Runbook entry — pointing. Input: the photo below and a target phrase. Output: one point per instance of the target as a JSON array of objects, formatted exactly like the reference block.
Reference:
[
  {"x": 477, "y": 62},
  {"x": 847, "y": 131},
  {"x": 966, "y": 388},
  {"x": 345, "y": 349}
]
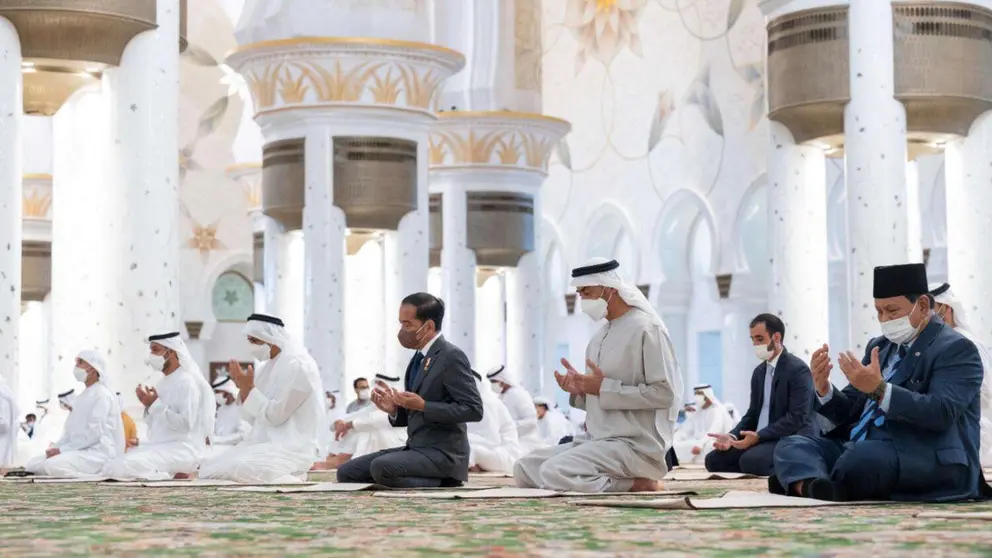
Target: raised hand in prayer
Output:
[
  {"x": 409, "y": 400},
  {"x": 383, "y": 397},
  {"x": 244, "y": 379},
  {"x": 821, "y": 366},
  {"x": 748, "y": 439},
  {"x": 147, "y": 395},
  {"x": 865, "y": 379},
  {"x": 592, "y": 381},
  {"x": 341, "y": 428},
  {"x": 52, "y": 452},
  {"x": 568, "y": 381},
  {"x": 723, "y": 442}
]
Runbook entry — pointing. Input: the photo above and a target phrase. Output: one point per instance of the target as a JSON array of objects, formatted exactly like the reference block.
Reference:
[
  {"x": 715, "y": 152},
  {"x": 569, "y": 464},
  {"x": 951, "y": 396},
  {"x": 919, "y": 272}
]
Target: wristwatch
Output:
[{"x": 879, "y": 392}]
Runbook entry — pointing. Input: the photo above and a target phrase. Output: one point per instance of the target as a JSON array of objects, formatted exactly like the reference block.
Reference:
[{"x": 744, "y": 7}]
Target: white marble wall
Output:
[
  {"x": 324, "y": 228},
  {"x": 144, "y": 103},
  {"x": 491, "y": 326},
  {"x": 386, "y": 19},
  {"x": 457, "y": 264},
  {"x": 525, "y": 286},
  {"x": 11, "y": 165},
  {"x": 797, "y": 234},
  {"x": 738, "y": 356},
  {"x": 968, "y": 175},
  {"x": 875, "y": 149},
  {"x": 914, "y": 226}
]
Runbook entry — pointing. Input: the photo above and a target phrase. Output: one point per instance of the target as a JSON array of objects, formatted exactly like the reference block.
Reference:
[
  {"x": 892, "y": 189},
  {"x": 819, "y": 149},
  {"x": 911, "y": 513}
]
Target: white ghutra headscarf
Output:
[
  {"x": 206, "y": 406},
  {"x": 99, "y": 364},
  {"x": 608, "y": 277}
]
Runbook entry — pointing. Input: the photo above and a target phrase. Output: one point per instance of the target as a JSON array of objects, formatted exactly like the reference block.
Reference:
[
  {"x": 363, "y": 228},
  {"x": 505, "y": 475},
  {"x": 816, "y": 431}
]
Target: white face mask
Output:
[
  {"x": 496, "y": 387},
  {"x": 899, "y": 330},
  {"x": 364, "y": 394},
  {"x": 260, "y": 353},
  {"x": 700, "y": 400},
  {"x": 156, "y": 362},
  {"x": 763, "y": 352},
  {"x": 595, "y": 308},
  {"x": 79, "y": 374}
]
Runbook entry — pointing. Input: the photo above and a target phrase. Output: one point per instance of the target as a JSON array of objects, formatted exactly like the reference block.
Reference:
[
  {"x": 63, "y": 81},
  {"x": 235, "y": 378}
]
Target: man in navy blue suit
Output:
[
  {"x": 907, "y": 426},
  {"x": 781, "y": 405}
]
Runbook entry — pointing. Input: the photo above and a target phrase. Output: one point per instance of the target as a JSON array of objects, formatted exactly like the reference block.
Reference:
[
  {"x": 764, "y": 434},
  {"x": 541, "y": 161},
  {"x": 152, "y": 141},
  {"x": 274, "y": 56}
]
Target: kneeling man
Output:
[
  {"x": 907, "y": 425},
  {"x": 631, "y": 395},
  {"x": 285, "y": 406},
  {"x": 93, "y": 433},
  {"x": 440, "y": 398}
]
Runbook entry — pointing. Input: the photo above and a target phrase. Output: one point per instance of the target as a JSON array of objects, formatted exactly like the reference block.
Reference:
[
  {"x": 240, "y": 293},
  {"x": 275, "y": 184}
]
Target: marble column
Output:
[
  {"x": 875, "y": 153},
  {"x": 457, "y": 264},
  {"x": 144, "y": 104},
  {"x": 735, "y": 338},
  {"x": 525, "y": 306},
  {"x": 324, "y": 228},
  {"x": 11, "y": 164},
  {"x": 914, "y": 226},
  {"x": 673, "y": 305},
  {"x": 797, "y": 234},
  {"x": 968, "y": 180}
]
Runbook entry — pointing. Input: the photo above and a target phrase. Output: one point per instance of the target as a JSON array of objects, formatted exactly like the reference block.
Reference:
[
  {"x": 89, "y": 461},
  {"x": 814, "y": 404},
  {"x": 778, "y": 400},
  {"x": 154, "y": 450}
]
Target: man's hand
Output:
[
  {"x": 591, "y": 382},
  {"x": 52, "y": 452},
  {"x": 567, "y": 382},
  {"x": 245, "y": 380},
  {"x": 130, "y": 443},
  {"x": 723, "y": 442},
  {"x": 821, "y": 366},
  {"x": 147, "y": 395},
  {"x": 748, "y": 439},
  {"x": 383, "y": 397},
  {"x": 409, "y": 400},
  {"x": 864, "y": 378},
  {"x": 696, "y": 450},
  {"x": 341, "y": 428}
]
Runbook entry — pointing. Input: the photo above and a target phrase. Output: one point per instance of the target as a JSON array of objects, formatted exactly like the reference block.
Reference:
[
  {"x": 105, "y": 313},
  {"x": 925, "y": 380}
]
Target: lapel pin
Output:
[
  {"x": 427, "y": 363},
  {"x": 917, "y": 353}
]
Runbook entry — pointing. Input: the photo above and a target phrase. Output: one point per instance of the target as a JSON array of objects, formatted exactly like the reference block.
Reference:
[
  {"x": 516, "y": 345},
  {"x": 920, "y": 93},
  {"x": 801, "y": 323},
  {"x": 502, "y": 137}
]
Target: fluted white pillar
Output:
[
  {"x": 457, "y": 264},
  {"x": 525, "y": 305},
  {"x": 324, "y": 228},
  {"x": 914, "y": 225},
  {"x": 11, "y": 164},
  {"x": 968, "y": 180},
  {"x": 797, "y": 232},
  {"x": 875, "y": 152},
  {"x": 144, "y": 104}
]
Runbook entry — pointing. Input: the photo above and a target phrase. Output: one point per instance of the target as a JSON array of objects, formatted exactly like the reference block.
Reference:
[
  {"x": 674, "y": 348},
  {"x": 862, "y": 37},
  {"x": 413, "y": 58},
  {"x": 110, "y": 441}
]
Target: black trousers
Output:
[
  {"x": 756, "y": 460},
  {"x": 395, "y": 468}
]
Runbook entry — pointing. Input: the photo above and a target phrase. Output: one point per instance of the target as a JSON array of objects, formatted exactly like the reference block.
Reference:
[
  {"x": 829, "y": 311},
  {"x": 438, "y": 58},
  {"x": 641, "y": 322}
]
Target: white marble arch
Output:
[
  {"x": 750, "y": 232},
  {"x": 673, "y": 234},
  {"x": 610, "y": 234},
  {"x": 202, "y": 310},
  {"x": 552, "y": 240}
]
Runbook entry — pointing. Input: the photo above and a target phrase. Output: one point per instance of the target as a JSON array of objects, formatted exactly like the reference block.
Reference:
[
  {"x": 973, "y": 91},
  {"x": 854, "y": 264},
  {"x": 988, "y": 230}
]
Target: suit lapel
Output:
[
  {"x": 916, "y": 351},
  {"x": 779, "y": 368},
  {"x": 430, "y": 360}
]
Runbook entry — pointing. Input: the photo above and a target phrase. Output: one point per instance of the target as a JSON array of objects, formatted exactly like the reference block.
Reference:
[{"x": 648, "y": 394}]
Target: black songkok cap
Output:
[{"x": 900, "y": 280}]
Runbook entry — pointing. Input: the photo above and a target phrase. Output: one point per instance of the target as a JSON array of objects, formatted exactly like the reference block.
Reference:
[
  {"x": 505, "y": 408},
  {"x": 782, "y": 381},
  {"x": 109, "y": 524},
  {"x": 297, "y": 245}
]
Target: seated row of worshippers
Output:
[{"x": 907, "y": 427}]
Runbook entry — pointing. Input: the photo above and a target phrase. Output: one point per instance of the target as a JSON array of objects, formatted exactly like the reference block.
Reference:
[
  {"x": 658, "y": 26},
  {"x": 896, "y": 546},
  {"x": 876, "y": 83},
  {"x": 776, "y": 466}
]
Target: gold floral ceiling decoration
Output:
[{"x": 603, "y": 28}]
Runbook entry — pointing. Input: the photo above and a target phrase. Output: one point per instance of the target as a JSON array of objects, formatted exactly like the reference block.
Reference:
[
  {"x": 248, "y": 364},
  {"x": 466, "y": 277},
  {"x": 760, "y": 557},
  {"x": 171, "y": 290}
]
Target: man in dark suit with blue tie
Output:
[
  {"x": 440, "y": 398},
  {"x": 907, "y": 426},
  {"x": 781, "y": 405}
]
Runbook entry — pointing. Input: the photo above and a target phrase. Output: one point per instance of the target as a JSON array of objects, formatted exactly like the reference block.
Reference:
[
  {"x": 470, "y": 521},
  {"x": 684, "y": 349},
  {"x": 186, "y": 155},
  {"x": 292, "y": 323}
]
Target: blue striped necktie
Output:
[{"x": 872, "y": 413}]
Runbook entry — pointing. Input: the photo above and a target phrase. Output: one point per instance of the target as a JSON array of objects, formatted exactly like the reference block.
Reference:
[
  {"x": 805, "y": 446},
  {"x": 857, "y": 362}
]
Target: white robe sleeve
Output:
[
  {"x": 88, "y": 435},
  {"x": 5, "y": 425},
  {"x": 659, "y": 370},
  {"x": 232, "y": 439},
  {"x": 276, "y": 411},
  {"x": 371, "y": 421},
  {"x": 178, "y": 417}
]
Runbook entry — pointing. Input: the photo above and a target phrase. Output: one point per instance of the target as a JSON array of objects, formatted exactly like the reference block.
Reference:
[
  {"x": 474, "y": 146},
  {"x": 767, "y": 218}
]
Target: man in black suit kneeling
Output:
[
  {"x": 781, "y": 405},
  {"x": 440, "y": 398}
]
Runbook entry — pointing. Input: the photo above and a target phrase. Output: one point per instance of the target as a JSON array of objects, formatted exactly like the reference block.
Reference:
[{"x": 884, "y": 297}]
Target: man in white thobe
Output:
[
  {"x": 363, "y": 431},
  {"x": 692, "y": 440},
  {"x": 521, "y": 407},
  {"x": 8, "y": 425},
  {"x": 950, "y": 309},
  {"x": 66, "y": 398},
  {"x": 493, "y": 444},
  {"x": 179, "y": 411},
  {"x": 229, "y": 428},
  {"x": 552, "y": 426},
  {"x": 629, "y": 394},
  {"x": 93, "y": 434},
  {"x": 284, "y": 403}
]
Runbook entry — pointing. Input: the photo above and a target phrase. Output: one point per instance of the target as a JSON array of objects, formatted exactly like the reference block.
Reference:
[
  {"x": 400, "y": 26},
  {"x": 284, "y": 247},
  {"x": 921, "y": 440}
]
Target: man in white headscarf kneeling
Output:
[
  {"x": 493, "y": 444},
  {"x": 229, "y": 428},
  {"x": 692, "y": 437},
  {"x": 630, "y": 395},
  {"x": 179, "y": 412},
  {"x": 521, "y": 406},
  {"x": 284, "y": 403},
  {"x": 950, "y": 309},
  {"x": 552, "y": 425},
  {"x": 93, "y": 433}
]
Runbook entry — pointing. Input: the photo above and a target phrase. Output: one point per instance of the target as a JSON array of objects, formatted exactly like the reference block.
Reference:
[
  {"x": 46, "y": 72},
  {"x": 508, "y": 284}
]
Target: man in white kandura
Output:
[
  {"x": 93, "y": 434},
  {"x": 692, "y": 440},
  {"x": 492, "y": 441},
  {"x": 366, "y": 430},
  {"x": 284, "y": 404},
  {"x": 552, "y": 426},
  {"x": 8, "y": 425},
  {"x": 630, "y": 393},
  {"x": 179, "y": 412},
  {"x": 951, "y": 311},
  {"x": 229, "y": 428},
  {"x": 521, "y": 406}
]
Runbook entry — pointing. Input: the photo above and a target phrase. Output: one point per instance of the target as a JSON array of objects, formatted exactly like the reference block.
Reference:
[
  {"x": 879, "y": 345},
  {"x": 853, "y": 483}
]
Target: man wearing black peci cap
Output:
[{"x": 907, "y": 425}]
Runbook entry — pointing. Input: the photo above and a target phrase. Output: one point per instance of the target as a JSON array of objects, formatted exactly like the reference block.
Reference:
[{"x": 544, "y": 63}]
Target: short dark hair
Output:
[
  {"x": 429, "y": 308},
  {"x": 772, "y": 323},
  {"x": 355, "y": 383},
  {"x": 31, "y": 416},
  {"x": 914, "y": 298}
]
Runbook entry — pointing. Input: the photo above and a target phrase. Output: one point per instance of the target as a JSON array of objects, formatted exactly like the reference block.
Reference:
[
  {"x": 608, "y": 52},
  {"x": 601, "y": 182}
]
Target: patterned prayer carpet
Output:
[{"x": 80, "y": 519}]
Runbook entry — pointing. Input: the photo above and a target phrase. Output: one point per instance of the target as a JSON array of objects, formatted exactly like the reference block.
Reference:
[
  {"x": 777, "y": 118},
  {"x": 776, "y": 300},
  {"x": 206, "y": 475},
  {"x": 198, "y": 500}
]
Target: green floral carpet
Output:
[{"x": 80, "y": 519}]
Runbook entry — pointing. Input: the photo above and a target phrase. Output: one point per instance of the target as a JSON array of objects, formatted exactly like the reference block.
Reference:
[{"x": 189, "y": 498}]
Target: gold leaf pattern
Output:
[
  {"x": 36, "y": 202},
  {"x": 502, "y": 148},
  {"x": 292, "y": 90}
]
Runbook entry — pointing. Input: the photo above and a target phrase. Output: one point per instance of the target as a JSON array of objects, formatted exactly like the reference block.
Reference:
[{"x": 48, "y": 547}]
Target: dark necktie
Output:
[
  {"x": 415, "y": 365},
  {"x": 872, "y": 413}
]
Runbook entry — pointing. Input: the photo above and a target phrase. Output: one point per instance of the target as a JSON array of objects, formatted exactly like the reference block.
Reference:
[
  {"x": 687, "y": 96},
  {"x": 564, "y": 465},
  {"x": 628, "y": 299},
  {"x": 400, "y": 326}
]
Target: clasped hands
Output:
[
  {"x": 147, "y": 395},
  {"x": 580, "y": 384},
  {"x": 724, "y": 442},
  {"x": 864, "y": 378},
  {"x": 388, "y": 400}
]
